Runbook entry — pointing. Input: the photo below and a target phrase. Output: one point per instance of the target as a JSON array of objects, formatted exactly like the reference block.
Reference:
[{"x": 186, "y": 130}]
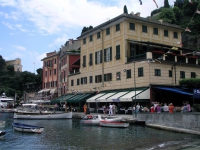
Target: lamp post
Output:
[{"x": 135, "y": 89}]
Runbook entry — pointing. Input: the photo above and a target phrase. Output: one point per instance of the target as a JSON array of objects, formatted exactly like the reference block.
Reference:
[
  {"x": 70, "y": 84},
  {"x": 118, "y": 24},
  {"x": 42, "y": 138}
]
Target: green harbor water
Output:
[{"x": 70, "y": 135}]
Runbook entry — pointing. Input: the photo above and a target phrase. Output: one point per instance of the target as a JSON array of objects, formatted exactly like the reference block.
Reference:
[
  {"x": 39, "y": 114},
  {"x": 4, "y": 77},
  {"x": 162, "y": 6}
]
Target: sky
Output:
[{"x": 31, "y": 28}]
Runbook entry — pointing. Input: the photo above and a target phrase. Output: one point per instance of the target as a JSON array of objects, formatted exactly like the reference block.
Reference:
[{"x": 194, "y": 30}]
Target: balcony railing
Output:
[{"x": 137, "y": 57}]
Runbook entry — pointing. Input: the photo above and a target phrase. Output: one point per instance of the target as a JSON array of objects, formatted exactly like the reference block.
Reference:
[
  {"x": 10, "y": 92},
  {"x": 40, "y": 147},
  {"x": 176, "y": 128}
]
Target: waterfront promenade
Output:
[{"x": 177, "y": 121}]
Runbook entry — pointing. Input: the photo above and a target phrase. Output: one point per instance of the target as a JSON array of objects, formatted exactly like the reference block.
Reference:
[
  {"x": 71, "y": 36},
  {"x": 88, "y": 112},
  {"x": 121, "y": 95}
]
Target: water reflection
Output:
[{"x": 69, "y": 134}]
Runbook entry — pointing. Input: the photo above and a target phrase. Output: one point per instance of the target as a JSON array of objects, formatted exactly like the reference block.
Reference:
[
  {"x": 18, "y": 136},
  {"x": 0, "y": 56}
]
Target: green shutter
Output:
[
  {"x": 110, "y": 53},
  {"x": 95, "y": 57},
  {"x": 104, "y": 55},
  {"x": 100, "y": 56}
]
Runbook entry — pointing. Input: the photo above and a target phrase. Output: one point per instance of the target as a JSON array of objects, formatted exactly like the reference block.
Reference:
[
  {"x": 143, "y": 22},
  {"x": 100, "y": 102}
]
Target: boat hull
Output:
[
  {"x": 2, "y": 134},
  {"x": 67, "y": 115},
  {"x": 114, "y": 124},
  {"x": 27, "y": 128}
]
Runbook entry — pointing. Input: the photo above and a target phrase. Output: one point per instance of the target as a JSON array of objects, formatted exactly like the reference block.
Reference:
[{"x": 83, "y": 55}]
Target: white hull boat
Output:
[
  {"x": 95, "y": 120},
  {"x": 114, "y": 124},
  {"x": 27, "y": 128},
  {"x": 2, "y": 134},
  {"x": 52, "y": 115}
]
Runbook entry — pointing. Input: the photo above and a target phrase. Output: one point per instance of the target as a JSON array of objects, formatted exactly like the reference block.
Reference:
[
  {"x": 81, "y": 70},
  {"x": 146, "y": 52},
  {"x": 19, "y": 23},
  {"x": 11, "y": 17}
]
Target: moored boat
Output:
[
  {"x": 114, "y": 124},
  {"x": 27, "y": 128},
  {"x": 44, "y": 115},
  {"x": 2, "y": 134},
  {"x": 95, "y": 120}
]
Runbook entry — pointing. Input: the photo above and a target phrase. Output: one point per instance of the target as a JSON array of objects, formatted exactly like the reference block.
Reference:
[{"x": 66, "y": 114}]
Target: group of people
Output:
[{"x": 111, "y": 111}]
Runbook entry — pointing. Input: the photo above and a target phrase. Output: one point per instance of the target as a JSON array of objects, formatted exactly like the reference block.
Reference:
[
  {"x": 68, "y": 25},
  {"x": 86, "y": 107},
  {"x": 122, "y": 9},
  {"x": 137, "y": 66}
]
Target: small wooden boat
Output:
[
  {"x": 2, "y": 124},
  {"x": 95, "y": 120},
  {"x": 2, "y": 134},
  {"x": 27, "y": 128},
  {"x": 114, "y": 124}
]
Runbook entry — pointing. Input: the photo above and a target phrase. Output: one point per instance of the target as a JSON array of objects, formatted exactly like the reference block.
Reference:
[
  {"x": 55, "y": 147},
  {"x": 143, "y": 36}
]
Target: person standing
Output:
[
  {"x": 137, "y": 108},
  {"x": 113, "y": 109},
  {"x": 104, "y": 110},
  {"x": 165, "y": 108},
  {"x": 85, "y": 109},
  {"x": 171, "y": 108},
  {"x": 110, "y": 110}
]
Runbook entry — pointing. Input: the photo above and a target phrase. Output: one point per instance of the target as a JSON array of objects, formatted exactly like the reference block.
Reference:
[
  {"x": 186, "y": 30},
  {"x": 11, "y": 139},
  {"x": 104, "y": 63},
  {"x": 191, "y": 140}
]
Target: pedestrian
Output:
[
  {"x": 166, "y": 108},
  {"x": 188, "y": 106},
  {"x": 137, "y": 108},
  {"x": 110, "y": 110},
  {"x": 104, "y": 110},
  {"x": 158, "y": 108},
  {"x": 64, "y": 107},
  {"x": 85, "y": 108},
  {"x": 113, "y": 109},
  {"x": 171, "y": 108}
]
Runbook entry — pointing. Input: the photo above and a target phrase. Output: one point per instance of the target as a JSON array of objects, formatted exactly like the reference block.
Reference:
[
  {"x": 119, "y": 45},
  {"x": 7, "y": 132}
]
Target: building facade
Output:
[
  {"x": 16, "y": 63},
  {"x": 129, "y": 53}
]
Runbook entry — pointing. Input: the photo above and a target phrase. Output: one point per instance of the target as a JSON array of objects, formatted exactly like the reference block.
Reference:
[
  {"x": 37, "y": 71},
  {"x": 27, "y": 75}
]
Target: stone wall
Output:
[{"x": 187, "y": 121}]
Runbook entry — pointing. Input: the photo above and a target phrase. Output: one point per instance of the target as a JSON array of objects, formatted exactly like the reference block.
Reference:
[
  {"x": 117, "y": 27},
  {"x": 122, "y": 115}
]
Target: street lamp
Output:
[{"x": 135, "y": 89}]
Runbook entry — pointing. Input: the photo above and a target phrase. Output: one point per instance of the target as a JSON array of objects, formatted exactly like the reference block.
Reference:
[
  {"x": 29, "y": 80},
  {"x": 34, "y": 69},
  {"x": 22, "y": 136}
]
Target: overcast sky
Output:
[{"x": 31, "y": 28}]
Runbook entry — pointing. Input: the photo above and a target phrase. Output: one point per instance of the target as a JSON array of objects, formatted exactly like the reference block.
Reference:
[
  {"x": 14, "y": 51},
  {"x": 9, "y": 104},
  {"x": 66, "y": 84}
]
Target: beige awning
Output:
[
  {"x": 53, "y": 91},
  {"x": 44, "y": 90}
]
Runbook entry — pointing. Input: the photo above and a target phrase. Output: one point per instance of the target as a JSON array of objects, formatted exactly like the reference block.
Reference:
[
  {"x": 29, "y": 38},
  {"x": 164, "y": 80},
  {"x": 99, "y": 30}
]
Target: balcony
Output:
[{"x": 137, "y": 57}]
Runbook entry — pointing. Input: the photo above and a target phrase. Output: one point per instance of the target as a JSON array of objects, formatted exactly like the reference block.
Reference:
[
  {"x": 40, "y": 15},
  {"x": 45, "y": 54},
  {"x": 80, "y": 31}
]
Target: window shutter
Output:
[
  {"x": 95, "y": 57},
  {"x": 100, "y": 56},
  {"x": 95, "y": 79},
  {"x": 104, "y": 55},
  {"x": 104, "y": 77},
  {"x": 110, "y": 53}
]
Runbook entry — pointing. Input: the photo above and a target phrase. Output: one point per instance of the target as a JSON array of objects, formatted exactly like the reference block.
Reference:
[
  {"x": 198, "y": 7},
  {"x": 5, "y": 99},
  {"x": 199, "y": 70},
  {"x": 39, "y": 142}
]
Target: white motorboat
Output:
[
  {"x": 27, "y": 128},
  {"x": 114, "y": 124},
  {"x": 95, "y": 120},
  {"x": 45, "y": 115}
]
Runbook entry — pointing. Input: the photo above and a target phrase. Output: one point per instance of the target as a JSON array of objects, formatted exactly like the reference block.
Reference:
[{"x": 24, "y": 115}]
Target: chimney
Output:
[
  {"x": 132, "y": 13},
  {"x": 161, "y": 21},
  {"x": 138, "y": 14}
]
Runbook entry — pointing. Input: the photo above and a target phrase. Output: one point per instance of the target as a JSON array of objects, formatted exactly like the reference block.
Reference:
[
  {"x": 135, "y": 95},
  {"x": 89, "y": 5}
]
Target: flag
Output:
[
  {"x": 155, "y": 3},
  {"x": 197, "y": 11},
  {"x": 190, "y": 1},
  {"x": 140, "y": 2},
  {"x": 187, "y": 29},
  {"x": 174, "y": 48}
]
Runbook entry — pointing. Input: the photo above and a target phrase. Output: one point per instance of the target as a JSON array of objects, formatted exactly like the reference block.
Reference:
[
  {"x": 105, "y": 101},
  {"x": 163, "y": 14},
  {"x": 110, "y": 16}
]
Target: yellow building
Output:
[
  {"x": 16, "y": 63},
  {"x": 132, "y": 54}
]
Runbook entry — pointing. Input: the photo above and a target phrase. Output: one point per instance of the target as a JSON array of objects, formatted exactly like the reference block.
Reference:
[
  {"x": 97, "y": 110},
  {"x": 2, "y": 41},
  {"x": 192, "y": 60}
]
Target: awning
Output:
[
  {"x": 103, "y": 98},
  {"x": 44, "y": 90},
  {"x": 53, "y": 91},
  {"x": 175, "y": 90},
  {"x": 78, "y": 98},
  {"x": 115, "y": 98},
  {"x": 92, "y": 99},
  {"x": 140, "y": 95}
]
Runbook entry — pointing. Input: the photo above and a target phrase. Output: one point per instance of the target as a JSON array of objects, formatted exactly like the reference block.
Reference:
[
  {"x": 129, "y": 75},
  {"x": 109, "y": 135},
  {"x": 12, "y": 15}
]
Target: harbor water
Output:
[{"x": 68, "y": 134}]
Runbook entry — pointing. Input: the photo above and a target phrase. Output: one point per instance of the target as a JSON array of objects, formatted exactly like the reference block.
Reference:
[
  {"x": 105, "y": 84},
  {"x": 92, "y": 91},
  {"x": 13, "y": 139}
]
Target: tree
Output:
[
  {"x": 166, "y": 4},
  {"x": 125, "y": 9},
  {"x": 2, "y": 63},
  {"x": 178, "y": 15},
  {"x": 10, "y": 68},
  {"x": 86, "y": 29},
  {"x": 167, "y": 15}
]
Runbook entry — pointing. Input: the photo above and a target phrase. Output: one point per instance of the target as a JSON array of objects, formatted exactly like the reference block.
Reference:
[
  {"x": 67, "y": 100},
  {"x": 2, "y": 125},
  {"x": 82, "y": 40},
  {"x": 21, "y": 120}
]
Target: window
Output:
[
  {"x": 45, "y": 73},
  {"x": 108, "y": 77},
  {"x": 91, "y": 79},
  {"x": 132, "y": 26},
  {"x": 166, "y": 33},
  {"x": 98, "y": 57},
  {"x": 182, "y": 74},
  {"x": 90, "y": 62},
  {"x": 50, "y": 72},
  {"x": 55, "y": 61},
  {"x": 118, "y": 76},
  {"x": 98, "y": 78},
  {"x": 98, "y": 35},
  {"x": 155, "y": 31},
  {"x": 107, "y": 31},
  {"x": 157, "y": 72},
  {"x": 117, "y": 52},
  {"x": 108, "y": 54},
  {"x": 170, "y": 73},
  {"x": 117, "y": 27},
  {"x": 55, "y": 83},
  {"x": 54, "y": 71},
  {"x": 84, "y": 41},
  {"x": 84, "y": 61},
  {"x": 140, "y": 72},
  {"x": 91, "y": 38},
  {"x": 193, "y": 75},
  {"x": 78, "y": 82},
  {"x": 128, "y": 73},
  {"x": 72, "y": 82},
  {"x": 175, "y": 35},
  {"x": 84, "y": 80},
  {"x": 144, "y": 29}
]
